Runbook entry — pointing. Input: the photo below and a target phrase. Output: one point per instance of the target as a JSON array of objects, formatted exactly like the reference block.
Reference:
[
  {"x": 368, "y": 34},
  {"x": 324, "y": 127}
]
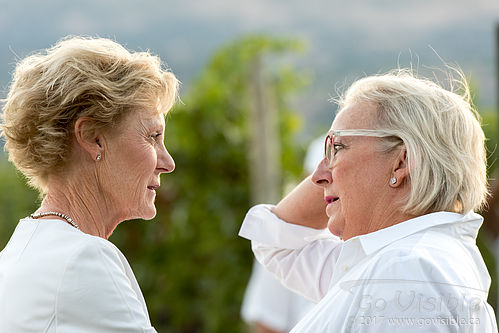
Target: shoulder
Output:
[
  {"x": 417, "y": 254},
  {"x": 419, "y": 279},
  {"x": 429, "y": 250},
  {"x": 430, "y": 262},
  {"x": 95, "y": 260},
  {"x": 99, "y": 284},
  {"x": 82, "y": 280},
  {"x": 71, "y": 250},
  {"x": 92, "y": 252}
]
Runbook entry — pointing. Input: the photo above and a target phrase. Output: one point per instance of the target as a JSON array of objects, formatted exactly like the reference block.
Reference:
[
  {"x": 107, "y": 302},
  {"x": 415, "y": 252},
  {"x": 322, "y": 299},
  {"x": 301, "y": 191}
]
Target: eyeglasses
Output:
[{"x": 330, "y": 148}]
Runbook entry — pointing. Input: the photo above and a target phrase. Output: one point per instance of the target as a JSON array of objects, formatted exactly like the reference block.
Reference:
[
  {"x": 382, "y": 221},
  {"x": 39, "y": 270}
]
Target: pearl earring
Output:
[
  {"x": 393, "y": 180},
  {"x": 98, "y": 157}
]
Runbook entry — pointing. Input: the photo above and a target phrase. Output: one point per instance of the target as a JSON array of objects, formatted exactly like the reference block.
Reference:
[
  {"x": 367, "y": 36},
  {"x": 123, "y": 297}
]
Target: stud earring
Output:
[
  {"x": 393, "y": 180},
  {"x": 98, "y": 158}
]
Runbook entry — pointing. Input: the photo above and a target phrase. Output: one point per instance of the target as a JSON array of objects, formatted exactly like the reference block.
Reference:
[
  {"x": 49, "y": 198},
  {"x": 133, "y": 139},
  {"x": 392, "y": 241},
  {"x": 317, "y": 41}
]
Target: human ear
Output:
[
  {"x": 87, "y": 138},
  {"x": 400, "y": 171}
]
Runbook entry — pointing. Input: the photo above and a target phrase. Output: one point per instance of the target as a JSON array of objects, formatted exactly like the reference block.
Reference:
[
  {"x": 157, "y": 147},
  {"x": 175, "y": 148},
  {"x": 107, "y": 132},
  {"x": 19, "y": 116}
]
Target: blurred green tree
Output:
[
  {"x": 192, "y": 266},
  {"x": 489, "y": 228},
  {"x": 488, "y": 232},
  {"x": 17, "y": 200}
]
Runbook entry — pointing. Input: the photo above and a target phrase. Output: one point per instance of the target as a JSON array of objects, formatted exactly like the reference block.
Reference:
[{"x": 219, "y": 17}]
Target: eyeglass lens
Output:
[{"x": 328, "y": 149}]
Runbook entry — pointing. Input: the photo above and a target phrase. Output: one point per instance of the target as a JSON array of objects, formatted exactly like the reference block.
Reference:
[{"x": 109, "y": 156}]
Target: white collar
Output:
[{"x": 374, "y": 241}]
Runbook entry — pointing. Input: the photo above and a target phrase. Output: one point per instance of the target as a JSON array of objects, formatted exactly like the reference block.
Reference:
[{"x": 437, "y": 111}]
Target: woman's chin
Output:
[
  {"x": 148, "y": 214},
  {"x": 333, "y": 229}
]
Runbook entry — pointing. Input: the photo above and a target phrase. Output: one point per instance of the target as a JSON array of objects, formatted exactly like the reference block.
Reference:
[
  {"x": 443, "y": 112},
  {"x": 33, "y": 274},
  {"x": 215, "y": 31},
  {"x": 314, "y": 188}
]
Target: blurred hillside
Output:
[{"x": 345, "y": 39}]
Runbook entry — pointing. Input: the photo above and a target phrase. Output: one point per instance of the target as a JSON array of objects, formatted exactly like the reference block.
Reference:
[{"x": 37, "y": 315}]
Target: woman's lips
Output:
[
  {"x": 330, "y": 208},
  {"x": 330, "y": 199}
]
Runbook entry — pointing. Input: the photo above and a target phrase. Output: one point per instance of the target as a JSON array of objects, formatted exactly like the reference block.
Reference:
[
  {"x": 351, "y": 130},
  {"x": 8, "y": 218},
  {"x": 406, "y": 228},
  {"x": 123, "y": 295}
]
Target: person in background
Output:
[
  {"x": 404, "y": 169},
  {"x": 84, "y": 122},
  {"x": 268, "y": 306}
]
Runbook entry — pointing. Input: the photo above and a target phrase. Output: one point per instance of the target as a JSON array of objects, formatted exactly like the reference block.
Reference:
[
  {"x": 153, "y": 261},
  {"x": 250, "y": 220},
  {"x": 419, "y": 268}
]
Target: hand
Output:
[{"x": 305, "y": 205}]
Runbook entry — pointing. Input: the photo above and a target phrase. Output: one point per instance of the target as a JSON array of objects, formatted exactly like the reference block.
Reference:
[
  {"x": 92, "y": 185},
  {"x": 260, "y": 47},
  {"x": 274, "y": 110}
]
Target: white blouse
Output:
[
  {"x": 55, "y": 278},
  {"x": 422, "y": 275}
]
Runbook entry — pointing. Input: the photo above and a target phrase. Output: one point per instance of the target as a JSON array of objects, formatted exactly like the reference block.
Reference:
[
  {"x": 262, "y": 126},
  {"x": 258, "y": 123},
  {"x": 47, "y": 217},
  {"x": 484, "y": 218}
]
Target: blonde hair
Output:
[
  {"x": 442, "y": 135},
  {"x": 78, "y": 77}
]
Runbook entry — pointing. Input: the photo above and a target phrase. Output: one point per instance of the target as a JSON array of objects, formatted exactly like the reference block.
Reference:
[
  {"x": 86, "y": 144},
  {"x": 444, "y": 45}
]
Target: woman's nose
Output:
[
  {"x": 322, "y": 174},
  {"x": 166, "y": 164}
]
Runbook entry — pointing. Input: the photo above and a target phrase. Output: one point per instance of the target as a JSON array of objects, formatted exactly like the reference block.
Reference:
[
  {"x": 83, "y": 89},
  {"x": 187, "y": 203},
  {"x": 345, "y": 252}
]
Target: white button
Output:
[{"x": 344, "y": 268}]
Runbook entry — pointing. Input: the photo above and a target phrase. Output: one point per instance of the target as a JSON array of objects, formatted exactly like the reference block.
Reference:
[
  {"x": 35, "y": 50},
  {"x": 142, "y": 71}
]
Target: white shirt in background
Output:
[{"x": 268, "y": 302}]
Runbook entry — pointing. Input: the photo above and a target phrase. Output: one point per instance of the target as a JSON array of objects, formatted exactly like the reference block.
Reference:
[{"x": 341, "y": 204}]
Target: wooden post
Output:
[{"x": 264, "y": 153}]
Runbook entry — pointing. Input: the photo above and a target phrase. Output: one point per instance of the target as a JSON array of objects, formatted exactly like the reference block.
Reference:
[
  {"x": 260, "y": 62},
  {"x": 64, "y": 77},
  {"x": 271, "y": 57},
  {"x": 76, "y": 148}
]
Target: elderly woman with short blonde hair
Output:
[
  {"x": 84, "y": 122},
  {"x": 403, "y": 170}
]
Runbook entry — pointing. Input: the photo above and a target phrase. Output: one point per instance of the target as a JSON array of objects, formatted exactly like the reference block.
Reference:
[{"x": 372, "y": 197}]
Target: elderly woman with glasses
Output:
[{"x": 403, "y": 172}]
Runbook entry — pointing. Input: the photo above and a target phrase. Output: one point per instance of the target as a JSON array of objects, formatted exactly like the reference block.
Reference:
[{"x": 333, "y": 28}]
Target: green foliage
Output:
[
  {"x": 16, "y": 200},
  {"x": 485, "y": 237},
  {"x": 490, "y": 127},
  {"x": 192, "y": 266}
]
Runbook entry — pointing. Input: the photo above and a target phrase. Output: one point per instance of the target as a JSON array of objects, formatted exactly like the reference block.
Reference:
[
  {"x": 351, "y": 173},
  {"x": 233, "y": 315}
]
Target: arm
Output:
[
  {"x": 304, "y": 206},
  {"x": 290, "y": 242},
  {"x": 302, "y": 258}
]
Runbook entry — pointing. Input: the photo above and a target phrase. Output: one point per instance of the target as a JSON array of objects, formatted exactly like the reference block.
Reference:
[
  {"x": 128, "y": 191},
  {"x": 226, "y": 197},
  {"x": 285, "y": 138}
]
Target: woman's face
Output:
[
  {"x": 356, "y": 184},
  {"x": 132, "y": 161}
]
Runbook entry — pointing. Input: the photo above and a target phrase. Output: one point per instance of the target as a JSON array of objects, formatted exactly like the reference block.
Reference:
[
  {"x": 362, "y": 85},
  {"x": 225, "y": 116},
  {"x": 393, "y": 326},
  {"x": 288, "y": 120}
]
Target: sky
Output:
[{"x": 344, "y": 40}]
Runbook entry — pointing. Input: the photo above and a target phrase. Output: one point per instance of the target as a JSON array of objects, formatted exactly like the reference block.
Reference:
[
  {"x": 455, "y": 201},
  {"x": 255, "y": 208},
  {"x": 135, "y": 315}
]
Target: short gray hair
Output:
[{"x": 442, "y": 135}]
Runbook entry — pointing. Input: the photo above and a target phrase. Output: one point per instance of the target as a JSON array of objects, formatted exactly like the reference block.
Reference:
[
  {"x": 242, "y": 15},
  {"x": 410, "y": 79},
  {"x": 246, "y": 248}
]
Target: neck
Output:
[
  {"x": 83, "y": 204},
  {"x": 390, "y": 218},
  {"x": 390, "y": 210}
]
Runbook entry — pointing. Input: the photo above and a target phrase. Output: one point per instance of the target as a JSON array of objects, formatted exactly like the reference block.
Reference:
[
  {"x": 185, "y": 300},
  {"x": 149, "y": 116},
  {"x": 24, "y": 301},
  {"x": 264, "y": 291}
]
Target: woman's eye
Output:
[
  {"x": 337, "y": 146},
  {"x": 155, "y": 136}
]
